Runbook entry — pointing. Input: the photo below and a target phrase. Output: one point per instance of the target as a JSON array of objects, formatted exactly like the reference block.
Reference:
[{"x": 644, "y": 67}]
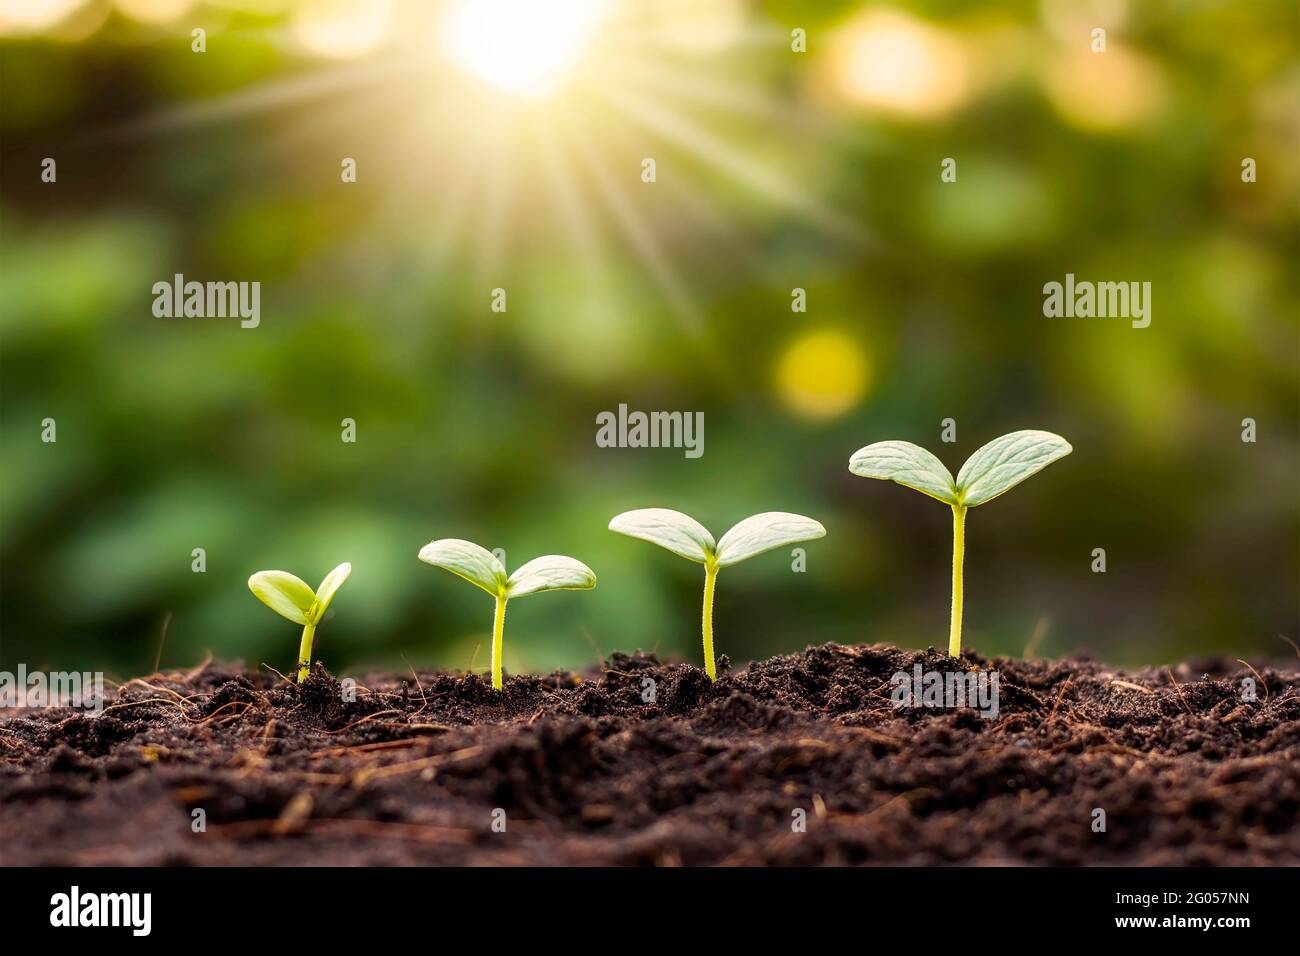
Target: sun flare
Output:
[
  {"x": 531, "y": 122},
  {"x": 521, "y": 45}
]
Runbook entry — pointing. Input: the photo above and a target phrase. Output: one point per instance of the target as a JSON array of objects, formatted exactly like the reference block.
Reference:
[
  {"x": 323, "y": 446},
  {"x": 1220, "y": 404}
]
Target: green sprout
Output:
[
  {"x": 551, "y": 572},
  {"x": 683, "y": 535},
  {"x": 289, "y": 596},
  {"x": 997, "y": 467}
]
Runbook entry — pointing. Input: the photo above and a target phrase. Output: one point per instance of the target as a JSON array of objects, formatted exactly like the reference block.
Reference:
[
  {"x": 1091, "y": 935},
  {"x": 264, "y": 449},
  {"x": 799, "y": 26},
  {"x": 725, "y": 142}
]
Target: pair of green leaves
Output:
[
  {"x": 683, "y": 535},
  {"x": 290, "y": 596},
  {"x": 994, "y": 469},
  {"x": 479, "y": 566},
  {"x": 551, "y": 572}
]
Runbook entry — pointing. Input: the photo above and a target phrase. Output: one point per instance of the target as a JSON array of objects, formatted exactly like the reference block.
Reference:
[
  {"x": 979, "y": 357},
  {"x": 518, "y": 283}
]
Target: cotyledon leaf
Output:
[
  {"x": 328, "y": 588},
  {"x": 472, "y": 562},
  {"x": 679, "y": 533},
  {"x": 763, "y": 532},
  {"x": 286, "y": 594},
  {"x": 550, "y": 572},
  {"x": 1005, "y": 462},
  {"x": 907, "y": 464}
]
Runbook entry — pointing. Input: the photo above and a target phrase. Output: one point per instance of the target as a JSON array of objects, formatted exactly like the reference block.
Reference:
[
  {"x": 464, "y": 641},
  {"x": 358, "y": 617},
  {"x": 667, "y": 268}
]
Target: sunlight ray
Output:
[
  {"x": 321, "y": 129},
  {"x": 458, "y": 182},
  {"x": 647, "y": 249},
  {"x": 642, "y": 241},
  {"x": 573, "y": 207},
  {"x": 267, "y": 97},
  {"x": 570, "y": 203},
  {"x": 692, "y": 202},
  {"x": 704, "y": 90},
  {"x": 730, "y": 160},
  {"x": 497, "y": 186},
  {"x": 452, "y": 217},
  {"x": 669, "y": 41}
]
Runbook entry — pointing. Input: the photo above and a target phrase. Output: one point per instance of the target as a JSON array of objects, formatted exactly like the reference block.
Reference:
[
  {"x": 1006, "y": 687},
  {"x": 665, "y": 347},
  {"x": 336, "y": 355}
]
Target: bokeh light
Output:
[
  {"x": 888, "y": 60},
  {"x": 1114, "y": 90},
  {"x": 822, "y": 374},
  {"x": 33, "y": 16}
]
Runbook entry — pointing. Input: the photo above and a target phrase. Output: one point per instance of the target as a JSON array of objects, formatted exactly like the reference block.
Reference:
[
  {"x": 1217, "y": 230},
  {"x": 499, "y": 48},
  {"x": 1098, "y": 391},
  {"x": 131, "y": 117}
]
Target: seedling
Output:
[
  {"x": 683, "y": 535},
  {"x": 290, "y": 597},
  {"x": 997, "y": 467},
  {"x": 551, "y": 572}
]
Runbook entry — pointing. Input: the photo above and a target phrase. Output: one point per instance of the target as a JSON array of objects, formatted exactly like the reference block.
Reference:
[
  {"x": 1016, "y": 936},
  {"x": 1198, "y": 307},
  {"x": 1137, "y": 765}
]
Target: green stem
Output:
[
  {"x": 710, "y": 579},
  {"x": 304, "y": 651},
  {"x": 498, "y": 630},
  {"x": 958, "y": 554}
]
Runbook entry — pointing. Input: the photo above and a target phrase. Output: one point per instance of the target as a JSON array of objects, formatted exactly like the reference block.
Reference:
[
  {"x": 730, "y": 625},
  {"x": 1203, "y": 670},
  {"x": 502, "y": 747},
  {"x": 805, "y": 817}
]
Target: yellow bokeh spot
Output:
[
  {"x": 26, "y": 16},
  {"x": 1105, "y": 91},
  {"x": 822, "y": 374},
  {"x": 893, "y": 62}
]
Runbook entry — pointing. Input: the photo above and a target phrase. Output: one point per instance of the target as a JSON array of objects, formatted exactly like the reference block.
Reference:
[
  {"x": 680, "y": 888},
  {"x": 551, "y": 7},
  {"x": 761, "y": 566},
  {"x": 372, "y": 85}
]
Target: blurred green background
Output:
[{"x": 775, "y": 170}]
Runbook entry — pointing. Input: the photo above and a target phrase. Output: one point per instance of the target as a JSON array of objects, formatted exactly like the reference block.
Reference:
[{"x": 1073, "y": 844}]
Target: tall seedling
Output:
[{"x": 994, "y": 469}]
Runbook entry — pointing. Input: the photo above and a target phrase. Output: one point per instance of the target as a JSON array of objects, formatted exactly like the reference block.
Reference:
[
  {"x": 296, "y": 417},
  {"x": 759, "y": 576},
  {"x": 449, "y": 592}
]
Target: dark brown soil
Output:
[{"x": 587, "y": 773}]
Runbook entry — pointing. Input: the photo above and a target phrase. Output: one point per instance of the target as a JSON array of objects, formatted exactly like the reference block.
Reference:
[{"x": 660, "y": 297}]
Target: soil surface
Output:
[{"x": 582, "y": 769}]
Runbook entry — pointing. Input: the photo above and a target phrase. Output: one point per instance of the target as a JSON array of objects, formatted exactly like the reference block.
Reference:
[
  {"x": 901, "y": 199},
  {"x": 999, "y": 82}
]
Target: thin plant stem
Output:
[
  {"x": 498, "y": 630},
  {"x": 710, "y": 579},
  {"x": 304, "y": 651},
  {"x": 958, "y": 555}
]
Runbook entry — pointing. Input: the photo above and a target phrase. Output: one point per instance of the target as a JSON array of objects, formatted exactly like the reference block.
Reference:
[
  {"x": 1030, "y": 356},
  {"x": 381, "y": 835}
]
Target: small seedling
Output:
[
  {"x": 683, "y": 535},
  {"x": 997, "y": 467},
  {"x": 551, "y": 572},
  {"x": 289, "y": 596}
]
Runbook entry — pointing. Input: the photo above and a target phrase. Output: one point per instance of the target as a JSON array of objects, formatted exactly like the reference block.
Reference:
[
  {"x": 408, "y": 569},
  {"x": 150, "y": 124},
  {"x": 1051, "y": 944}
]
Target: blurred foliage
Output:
[{"x": 776, "y": 170}]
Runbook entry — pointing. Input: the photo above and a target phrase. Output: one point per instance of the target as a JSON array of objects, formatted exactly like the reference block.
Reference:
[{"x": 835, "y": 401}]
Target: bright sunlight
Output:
[{"x": 521, "y": 45}]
